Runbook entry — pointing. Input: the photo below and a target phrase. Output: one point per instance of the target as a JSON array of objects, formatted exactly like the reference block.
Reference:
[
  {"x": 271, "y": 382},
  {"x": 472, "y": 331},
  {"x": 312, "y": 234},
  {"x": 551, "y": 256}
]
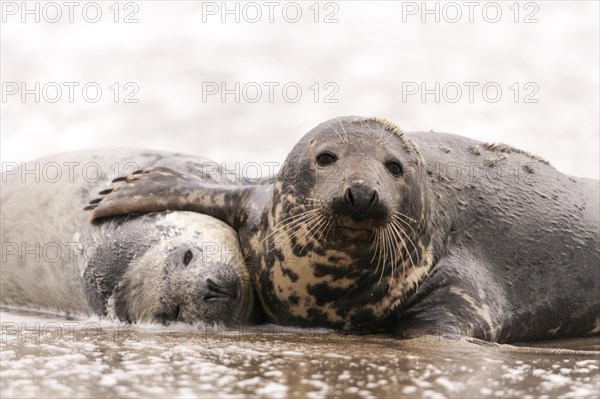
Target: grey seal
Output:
[
  {"x": 368, "y": 228},
  {"x": 159, "y": 267}
]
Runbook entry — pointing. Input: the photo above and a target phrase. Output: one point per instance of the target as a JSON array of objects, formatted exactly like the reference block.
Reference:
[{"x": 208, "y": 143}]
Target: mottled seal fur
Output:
[
  {"x": 367, "y": 228},
  {"x": 159, "y": 267}
]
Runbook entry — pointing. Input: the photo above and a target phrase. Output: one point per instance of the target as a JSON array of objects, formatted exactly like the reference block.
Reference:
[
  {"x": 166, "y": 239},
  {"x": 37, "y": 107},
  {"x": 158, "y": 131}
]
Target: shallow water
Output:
[{"x": 52, "y": 356}]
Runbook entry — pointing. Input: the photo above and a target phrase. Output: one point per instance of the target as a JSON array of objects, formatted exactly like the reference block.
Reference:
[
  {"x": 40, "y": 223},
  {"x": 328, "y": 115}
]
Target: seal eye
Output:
[
  {"x": 187, "y": 258},
  {"x": 395, "y": 168},
  {"x": 326, "y": 158}
]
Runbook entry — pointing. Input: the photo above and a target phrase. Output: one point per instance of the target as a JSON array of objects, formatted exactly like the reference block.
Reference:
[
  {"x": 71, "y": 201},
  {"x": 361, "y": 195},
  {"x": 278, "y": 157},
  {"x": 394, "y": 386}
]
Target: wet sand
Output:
[{"x": 52, "y": 356}]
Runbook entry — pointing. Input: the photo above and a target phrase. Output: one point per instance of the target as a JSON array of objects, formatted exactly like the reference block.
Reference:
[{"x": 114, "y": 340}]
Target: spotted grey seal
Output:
[
  {"x": 368, "y": 228},
  {"x": 159, "y": 267}
]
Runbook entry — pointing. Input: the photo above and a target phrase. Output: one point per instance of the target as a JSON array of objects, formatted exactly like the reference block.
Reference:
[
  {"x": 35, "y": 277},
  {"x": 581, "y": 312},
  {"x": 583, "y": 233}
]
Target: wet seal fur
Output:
[
  {"x": 159, "y": 267},
  {"x": 367, "y": 228}
]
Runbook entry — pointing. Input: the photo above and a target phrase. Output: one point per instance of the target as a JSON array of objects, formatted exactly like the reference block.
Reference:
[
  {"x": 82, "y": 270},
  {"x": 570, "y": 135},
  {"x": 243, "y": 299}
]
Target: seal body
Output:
[
  {"x": 160, "y": 267},
  {"x": 367, "y": 228}
]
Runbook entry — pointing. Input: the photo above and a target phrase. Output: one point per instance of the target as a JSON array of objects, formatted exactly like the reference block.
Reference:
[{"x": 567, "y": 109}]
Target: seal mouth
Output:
[
  {"x": 352, "y": 230},
  {"x": 344, "y": 236},
  {"x": 369, "y": 224},
  {"x": 175, "y": 314}
]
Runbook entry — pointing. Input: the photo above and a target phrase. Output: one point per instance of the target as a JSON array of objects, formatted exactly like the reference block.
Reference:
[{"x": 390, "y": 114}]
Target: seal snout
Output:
[
  {"x": 360, "y": 202},
  {"x": 360, "y": 196}
]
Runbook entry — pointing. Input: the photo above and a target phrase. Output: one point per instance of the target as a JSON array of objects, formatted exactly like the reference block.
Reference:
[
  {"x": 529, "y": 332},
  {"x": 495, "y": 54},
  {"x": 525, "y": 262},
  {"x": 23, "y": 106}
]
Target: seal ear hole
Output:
[
  {"x": 326, "y": 158},
  {"x": 187, "y": 257},
  {"x": 395, "y": 168}
]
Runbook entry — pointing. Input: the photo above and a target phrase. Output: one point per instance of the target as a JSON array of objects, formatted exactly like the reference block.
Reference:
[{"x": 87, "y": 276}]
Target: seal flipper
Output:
[
  {"x": 458, "y": 299},
  {"x": 160, "y": 189}
]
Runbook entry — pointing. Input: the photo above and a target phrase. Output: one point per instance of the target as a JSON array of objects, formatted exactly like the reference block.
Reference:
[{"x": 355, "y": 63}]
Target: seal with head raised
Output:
[
  {"x": 369, "y": 228},
  {"x": 159, "y": 267}
]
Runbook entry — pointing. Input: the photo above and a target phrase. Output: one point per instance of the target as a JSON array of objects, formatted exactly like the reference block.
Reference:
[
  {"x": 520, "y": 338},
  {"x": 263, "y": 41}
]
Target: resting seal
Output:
[
  {"x": 160, "y": 267},
  {"x": 367, "y": 228}
]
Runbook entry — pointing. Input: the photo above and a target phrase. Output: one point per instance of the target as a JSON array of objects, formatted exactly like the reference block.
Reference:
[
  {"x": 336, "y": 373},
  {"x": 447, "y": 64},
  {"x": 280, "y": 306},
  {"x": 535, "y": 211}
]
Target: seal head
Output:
[{"x": 187, "y": 269}]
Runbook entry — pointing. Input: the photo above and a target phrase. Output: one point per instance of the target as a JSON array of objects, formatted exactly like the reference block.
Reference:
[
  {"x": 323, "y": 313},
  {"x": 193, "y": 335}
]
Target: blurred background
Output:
[{"x": 243, "y": 81}]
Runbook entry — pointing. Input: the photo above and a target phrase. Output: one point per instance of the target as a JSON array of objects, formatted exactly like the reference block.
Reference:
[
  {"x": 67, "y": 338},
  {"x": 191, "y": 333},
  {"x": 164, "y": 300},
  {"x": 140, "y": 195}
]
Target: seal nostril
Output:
[
  {"x": 349, "y": 197},
  {"x": 216, "y": 290},
  {"x": 374, "y": 199}
]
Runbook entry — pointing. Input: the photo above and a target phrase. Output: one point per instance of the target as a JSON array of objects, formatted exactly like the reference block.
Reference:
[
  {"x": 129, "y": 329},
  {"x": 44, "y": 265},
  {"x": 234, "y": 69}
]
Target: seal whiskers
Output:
[
  {"x": 387, "y": 247},
  {"x": 291, "y": 220},
  {"x": 338, "y": 133},
  {"x": 399, "y": 249},
  {"x": 317, "y": 228},
  {"x": 317, "y": 223},
  {"x": 294, "y": 223},
  {"x": 401, "y": 236},
  {"x": 387, "y": 252},
  {"x": 344, "y": 130}
]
